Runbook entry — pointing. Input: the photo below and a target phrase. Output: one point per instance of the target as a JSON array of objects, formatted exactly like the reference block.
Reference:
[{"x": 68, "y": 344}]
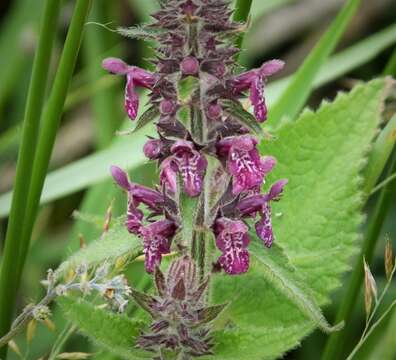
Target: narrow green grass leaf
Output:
[
  {"x": 379, "y": 155},
  {"x": 9, "y": 275},
  {"x": 340, "y": 63},
  {"x": 114, "y": 332},
  {"x": 297, "y": 92}
]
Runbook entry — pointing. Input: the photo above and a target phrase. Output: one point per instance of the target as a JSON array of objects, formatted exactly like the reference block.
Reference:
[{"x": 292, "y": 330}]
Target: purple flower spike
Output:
[
  {"x": 120, "y": 177},
  {"x": 254, "y": 81},
  {"x": 153, "y": 148},
  {"x": 189, "y": 66},
  {"x": 156, "y": 242},
  {"x": 232, "y": 240},
  {"x": 135, "y": 77},
  {"x": 191, "y": 164},
  {"x": 243, "y": 162}
]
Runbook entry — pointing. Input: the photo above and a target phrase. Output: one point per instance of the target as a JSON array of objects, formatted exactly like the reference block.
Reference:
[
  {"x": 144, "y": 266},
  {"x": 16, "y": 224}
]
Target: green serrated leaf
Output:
[
  {"x": 316, "y": 222},
  {"x": 278, "y": 272},
  {"x": 114, "y": 332},
  {"x": 236, "y": 110},
  {"x": 109, "y": 247},
  {"x": 147, "y": 117}
]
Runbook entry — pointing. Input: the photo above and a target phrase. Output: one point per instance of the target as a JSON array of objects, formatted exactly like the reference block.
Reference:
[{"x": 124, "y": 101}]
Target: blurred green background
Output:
[{"x": 285, "y": 29}]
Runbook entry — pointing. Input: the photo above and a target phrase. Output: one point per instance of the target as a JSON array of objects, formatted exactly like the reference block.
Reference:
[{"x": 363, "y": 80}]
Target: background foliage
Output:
[{"x": 322, "y": 153}]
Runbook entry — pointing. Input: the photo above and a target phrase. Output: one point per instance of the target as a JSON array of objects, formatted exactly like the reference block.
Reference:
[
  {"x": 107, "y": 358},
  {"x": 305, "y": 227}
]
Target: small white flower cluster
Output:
[{"x": 114, "y": 290}]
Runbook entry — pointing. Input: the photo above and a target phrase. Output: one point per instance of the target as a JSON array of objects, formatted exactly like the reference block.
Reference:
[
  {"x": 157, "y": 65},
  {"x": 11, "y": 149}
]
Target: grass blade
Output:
[
  {"x": 297, "y": 92},
  {"x": 51, "y": 119},
  {"x": 8, "y": 283},
  {"x": 342, "y": 62}
]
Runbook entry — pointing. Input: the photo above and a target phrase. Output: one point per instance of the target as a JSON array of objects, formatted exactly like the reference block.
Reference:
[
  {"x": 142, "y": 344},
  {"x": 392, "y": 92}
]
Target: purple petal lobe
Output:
[
  {"x": 191, "y": 164},
  {"x": 168, "y": 174},
  {"x": 134, "y": 216},
  {"x": 131, "y": 98},
  {"x": 120, "y": 177},
  {"x": 264, "y": 226},
  {"x": 152, "y": 198},
  {"x": 249, "y": 206},
  {"x": 257, "y": 99},
  {"x": 243, "y": 162},
  {"x": 271, "y": 67},
  {"x": 232, "y": 240},
  {"x": 276, "y": 189},
  {"x": 115, "y": 66},
  {"x": 156, "y": 242},
  {"x": 267, "y": 164}
]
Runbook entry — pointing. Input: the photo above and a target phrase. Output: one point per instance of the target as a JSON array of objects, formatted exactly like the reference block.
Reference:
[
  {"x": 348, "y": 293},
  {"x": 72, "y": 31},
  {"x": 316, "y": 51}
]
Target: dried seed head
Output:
[
  {"x": 388, "y": 258},
  {"x": 31, "y": 330},
  {"x": 370, "y": 288},
  {"x": 15, "y": 348},
  {"x": 107, "y": 221},
  {"x": 83, "y": 243}
]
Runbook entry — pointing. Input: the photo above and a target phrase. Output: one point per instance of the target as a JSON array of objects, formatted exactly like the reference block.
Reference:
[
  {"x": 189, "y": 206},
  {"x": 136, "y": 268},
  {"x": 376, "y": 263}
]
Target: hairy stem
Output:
[{"x": 22, "y": 320}]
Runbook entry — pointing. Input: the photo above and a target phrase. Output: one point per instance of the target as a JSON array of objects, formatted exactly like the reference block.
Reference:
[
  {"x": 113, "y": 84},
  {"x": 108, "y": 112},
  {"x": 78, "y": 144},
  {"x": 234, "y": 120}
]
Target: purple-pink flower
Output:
[
  {"x": 254, "y": 81},
  {"x": 244, "y": 162},
  {"x": 135, "y": 77},
  {"x": 232, "y": 240},
  {"x": 156, "y": 242},
  {"x": 153, "y": 149},
  {"x": 260, "y": 203},
  {"x": 137, "y": 194},
  {"x": 187, "y": 161}
]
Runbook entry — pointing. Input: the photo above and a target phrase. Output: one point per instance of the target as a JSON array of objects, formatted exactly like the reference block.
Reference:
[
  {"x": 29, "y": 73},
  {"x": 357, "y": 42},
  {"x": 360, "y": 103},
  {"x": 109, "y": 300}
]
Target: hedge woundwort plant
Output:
[{"x": 195, "y": 92}]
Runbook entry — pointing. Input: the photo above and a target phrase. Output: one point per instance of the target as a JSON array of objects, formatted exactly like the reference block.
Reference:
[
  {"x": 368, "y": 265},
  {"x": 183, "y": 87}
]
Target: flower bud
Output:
[
  {"x": 214, "y": 111},
  {"x": 167, "y": 107},
  {"x": 152, "y": 149},
  {"x": 189, "y": 66}
]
